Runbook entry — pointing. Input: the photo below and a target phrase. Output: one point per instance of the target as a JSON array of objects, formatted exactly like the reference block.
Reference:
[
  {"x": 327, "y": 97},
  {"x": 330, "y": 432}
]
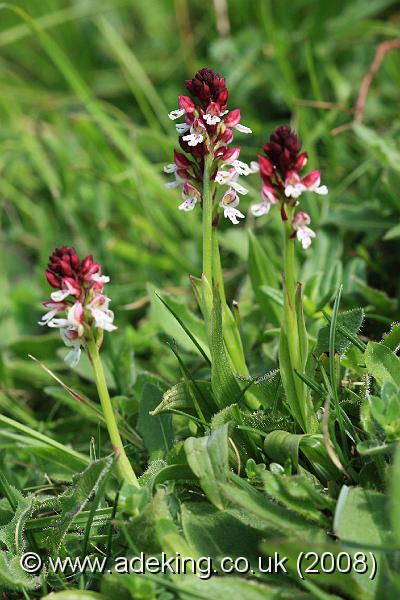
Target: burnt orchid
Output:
[
  {"x": 79, "y": 298},
  {"x": 208, "y": 169},
  {"x": 282, "y": 183},
  {"x": 80, "y": 310},
  {"x": 204, "y": 137}
]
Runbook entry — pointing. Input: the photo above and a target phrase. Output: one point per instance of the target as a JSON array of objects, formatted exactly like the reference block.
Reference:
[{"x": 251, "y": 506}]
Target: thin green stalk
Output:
[
  {"x": 291, "y": 352},
  {"x": 231, "y": 333},
  {"x": 207, "y": 220},
  {"x": 289, "y": 299},
  {"x": 124, "y": 467}
]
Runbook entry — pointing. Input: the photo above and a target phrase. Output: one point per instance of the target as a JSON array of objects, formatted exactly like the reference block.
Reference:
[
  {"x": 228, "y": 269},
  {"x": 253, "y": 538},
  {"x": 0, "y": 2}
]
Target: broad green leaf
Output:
[
  {"x": 394, "y": 495},
  {"x": 156, "y": 430},
  {"x": 217, "y": 533},
  {"x": 299, "y": 494},
  {"x": 392, "y": 233},
  {"x": 351, "y": 320},
  {"x": 378, "y": 298},
  {"x": 75, "y": 499},
  {"x": 225, "y": 387},
  {"x": 208, "y": 458},
  {"x": 382, "y": 363},
  {"x": 194, "y": 588},
  {"x": 362, "y": 520},
  {"x": 262, "y": 273},
  {"x": 179, "y": 397},
  {"x": 168, "y": 323},
  {"x": 74, "y": 595},
  {"x": 269, "y": 514},
  {"x": 281, "y": 445},
  {"x": 392, "y": 338}
]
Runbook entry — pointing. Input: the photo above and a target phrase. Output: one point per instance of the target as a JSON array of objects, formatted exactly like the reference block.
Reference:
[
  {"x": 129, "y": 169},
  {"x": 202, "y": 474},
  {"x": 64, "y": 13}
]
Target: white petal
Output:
[
  {"x": 241, "y": 168},
  {"x": 171, "y": 168},
  {"x": 173, "y": 184},
  {"x": 322, "y": 190},
  {"x": 254, "y": 166},
  {"x": 72, "y": 358},
  {"x": 239, "y": 188},
  {"x": 60, "y": 295},
  {"x": 188, "y": 204},
  {"x": 294, "y": 191},
  {"x": 193, "y": 139},
  {"x": 58, "y": 323},
  {"x": 182, "y": 127},
  {"x": 175, "y": 114},
  {"x": 243, "y": 128},
  {"x": 233, "y": 214},
  {"x": 258, "y": 210},
  {"x": 222, "y": 177},
  {"x": 45, "y": 320},
  {"x": 100, "y": 278},
  {"x": 211, "y": 119}
]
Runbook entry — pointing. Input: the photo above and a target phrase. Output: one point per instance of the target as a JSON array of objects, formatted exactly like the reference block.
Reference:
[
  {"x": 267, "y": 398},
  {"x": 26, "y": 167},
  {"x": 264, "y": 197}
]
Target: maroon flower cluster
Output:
[
  {"x": 79, "y": 304},
  {"x": 208, "y": 87},
  {"x": 67, "y": 272},
  {"x": 281, "y": 181},
  {"x": 207, "y": 130}
]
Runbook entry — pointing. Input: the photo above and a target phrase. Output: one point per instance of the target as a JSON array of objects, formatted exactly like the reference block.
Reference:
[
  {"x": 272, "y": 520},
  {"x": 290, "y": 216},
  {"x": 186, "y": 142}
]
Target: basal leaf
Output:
[
  {"x": 156, "y": 430},
  {"x": 209, "y": 460},
  {"x": 382, "y": 363}
]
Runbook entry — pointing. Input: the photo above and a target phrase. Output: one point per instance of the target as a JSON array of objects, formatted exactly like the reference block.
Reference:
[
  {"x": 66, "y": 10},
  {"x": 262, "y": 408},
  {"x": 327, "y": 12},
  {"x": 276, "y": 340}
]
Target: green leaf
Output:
[
  {"x": 266, "y": 514},
  {"x": 392, "y": 339},
  {"x": 157, "y": 431},
  {"x": 192, "y": 587},
  {"x": 224, "y": 384},
  {"x": 382, "y": 363},
  {"x": 179, "y": 396},
  {"x": 280, "y": 445},
  {"x": 300, "y": 494},
  {"x": 217, "y": 533},
  {"x": 74, "y": 595},
  {"x": 378, "y": 298},
  {"x": 351, "y": 320},
  {"x": 383, "y": 147},
  {"x": 74, "y": 500},
  {"x": 392, "y": 233},
  {"x": 262, "y": 273},
  {"x": 208, "y": 458},
  {"x": 394, "y": 495},
  {"x": 163, "y": 309},
  {"x": 362, "y": 519}
]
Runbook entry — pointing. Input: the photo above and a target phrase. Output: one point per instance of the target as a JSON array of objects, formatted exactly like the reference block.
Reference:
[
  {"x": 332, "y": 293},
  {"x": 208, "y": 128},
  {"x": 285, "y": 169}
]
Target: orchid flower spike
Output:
[
  {"x": 207, "y": 130},
  {"x": 78, "y": 307},
  {"x": 282, "y": 183}
]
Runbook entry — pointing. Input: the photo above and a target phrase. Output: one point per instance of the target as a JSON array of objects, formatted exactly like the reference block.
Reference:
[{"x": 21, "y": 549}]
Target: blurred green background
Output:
[{"x": 85, "y": 89}]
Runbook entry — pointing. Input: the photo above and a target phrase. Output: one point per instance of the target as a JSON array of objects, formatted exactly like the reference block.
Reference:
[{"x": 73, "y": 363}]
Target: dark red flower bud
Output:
[
  {"x": 53, "y": 280},
  {"x": 232, "y": 118},
  {"x": 64, "y": 262},
  {"x": 266, "y": 168},
  {"x": 283, "y": 149},
  {"x": 208, "y": 87},
  {"x": 301, "y": 161},
  {"x": 227, "y": 136},
  {"x": 181, "y": 161}
]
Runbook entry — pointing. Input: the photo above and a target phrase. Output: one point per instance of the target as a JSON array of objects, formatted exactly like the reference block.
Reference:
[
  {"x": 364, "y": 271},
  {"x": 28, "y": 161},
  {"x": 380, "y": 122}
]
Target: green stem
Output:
[
  {"x": 294, "y": 386},
  {"x": 207, "y": 220},
  {"x": 232, "y": 339},
  {"x": 124, "y": 467}
]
